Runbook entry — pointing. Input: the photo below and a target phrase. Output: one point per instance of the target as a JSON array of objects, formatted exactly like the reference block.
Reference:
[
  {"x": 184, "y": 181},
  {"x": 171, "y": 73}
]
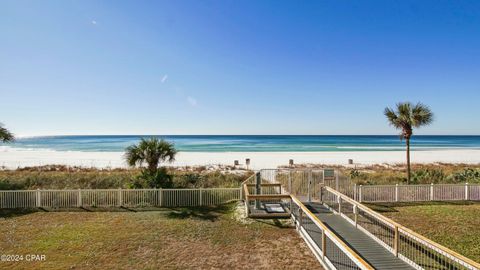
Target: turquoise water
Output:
[{"x": 251, "y": 143}]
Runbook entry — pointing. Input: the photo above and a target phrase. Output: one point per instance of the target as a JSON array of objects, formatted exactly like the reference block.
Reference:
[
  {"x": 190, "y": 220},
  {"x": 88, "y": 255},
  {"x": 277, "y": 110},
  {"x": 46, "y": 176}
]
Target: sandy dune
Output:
[{"x": 13, "y": 158}]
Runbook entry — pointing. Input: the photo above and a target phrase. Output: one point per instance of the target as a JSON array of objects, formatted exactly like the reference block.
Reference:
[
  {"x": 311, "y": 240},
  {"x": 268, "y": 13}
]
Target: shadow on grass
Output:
[
  {"x": 390, "y": 207},
  {"x": 277, "y": 222},
  {"x": 210, "y": 213},
  {"x": 11, "y": 213}
]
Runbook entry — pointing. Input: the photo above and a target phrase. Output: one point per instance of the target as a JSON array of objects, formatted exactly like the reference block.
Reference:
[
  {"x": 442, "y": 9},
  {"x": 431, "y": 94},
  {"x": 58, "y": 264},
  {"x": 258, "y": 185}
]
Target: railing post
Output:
[
  {"x": 355, "y": 192},
  {"x": 355, "y": 211},
  {"x": 309, "y": 190},
  {"x": 431, "y": 192},
  {"x": 324, "y": 244},
  {"x": 38, "y": 201},
  {"x": 339, "y": 201},
  {"x": 79, "y": 198},
  {"x": 396, "y": 192},
  {"x": 336, "y": 180},
  {"x": 290, "y": 182},
  {"x": 200, "y": 197},
  {"x": 120, "y": 197},
  {"x": 300, "y": 217},
  {"x": 258, "y": 188},
  {"x": 466, "y": 192},
  {"x": 396, "y": 241},
  {"x": 360, "y": 199}
]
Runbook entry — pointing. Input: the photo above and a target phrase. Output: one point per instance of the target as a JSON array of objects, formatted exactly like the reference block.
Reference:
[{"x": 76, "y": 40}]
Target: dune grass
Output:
[
  {"x": 455, "y": 225},
  {"x": 438, "y": 173},
  {"x": 187, "y": 238},
  {"x": 63, "y": 177}
]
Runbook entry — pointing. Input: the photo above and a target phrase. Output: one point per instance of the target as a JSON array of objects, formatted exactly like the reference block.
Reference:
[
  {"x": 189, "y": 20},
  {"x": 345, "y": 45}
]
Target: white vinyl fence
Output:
[
  {"x": 417, "y": 193},
  {"x": 117, "y": 197}
]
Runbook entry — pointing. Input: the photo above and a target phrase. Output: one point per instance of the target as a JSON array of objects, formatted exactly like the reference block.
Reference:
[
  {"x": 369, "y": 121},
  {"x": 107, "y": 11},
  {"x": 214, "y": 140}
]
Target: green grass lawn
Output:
[
  {"x": 207, "y": 238},
  {"x": 454, "y": 225}
]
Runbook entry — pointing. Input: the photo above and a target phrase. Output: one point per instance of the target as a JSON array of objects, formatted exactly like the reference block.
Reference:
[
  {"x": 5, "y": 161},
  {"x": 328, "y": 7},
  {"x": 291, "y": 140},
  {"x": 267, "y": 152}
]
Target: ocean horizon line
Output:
[{"x": 239, "y": 135}]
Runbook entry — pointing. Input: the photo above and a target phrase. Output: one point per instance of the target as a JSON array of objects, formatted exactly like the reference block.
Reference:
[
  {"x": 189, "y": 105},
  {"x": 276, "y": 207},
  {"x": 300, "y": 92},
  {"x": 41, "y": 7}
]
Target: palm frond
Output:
[
  {"x": 5, "y": 135},
  {"x": 151, "y": 151}
]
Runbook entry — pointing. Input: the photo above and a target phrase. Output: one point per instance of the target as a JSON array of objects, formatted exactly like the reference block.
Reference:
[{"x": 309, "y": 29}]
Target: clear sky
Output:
[{"x": 236, "y": 67}]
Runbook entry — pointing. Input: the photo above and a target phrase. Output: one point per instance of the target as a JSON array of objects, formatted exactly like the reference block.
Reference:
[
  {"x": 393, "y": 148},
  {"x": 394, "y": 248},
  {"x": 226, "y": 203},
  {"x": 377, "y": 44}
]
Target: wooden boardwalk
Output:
[{"x": 364, "y": 245}]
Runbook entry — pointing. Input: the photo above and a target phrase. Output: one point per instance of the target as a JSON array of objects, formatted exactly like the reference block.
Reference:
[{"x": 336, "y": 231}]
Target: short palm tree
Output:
[
  {"x": 406, "y": 117},
  {"x": 151, "y": 151},
  {"x": 5, "y": 135}
]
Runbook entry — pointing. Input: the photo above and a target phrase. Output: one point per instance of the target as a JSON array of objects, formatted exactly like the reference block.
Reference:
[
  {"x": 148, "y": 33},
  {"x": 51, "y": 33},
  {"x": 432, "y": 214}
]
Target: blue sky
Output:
[{"x": 236, "y": 67}]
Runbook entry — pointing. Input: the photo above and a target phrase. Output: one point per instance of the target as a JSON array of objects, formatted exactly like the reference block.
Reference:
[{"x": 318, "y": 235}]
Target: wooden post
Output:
[
  {"x": 324, "y": 244},
  {"x": 120, "y": 197},
  {"x": 431, "y": 192},
  {"x": 200, "y": 196},
  {"x": 466, "y": 192},
  {"x": 38, "y": 200},
  {"x": 258, "y": 188},
  {"x": 355, "y": 192},
  {"x": 321, "y": 194},
  {"x": 360, "y": 193},
  {"x": 79, "y": 199},
  {"x": 395, "y": 243}
]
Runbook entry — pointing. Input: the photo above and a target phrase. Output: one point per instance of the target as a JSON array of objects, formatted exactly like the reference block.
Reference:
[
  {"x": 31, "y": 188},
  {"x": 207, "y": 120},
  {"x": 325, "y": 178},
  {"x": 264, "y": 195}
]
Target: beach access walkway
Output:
[{"x": 370, "y": 250}]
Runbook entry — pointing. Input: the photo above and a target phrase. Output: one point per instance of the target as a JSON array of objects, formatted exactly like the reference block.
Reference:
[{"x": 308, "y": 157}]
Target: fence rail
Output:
[
  {"x": 413, "y": 248},
  {"x": 417, "y": 193},
  {"x": 117, "y": 197}
]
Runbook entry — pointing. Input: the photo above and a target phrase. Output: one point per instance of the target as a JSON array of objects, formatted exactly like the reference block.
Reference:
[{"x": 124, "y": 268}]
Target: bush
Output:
[
  {"x": 467, "y": 175},
  {"x": 428, "y": 176}
]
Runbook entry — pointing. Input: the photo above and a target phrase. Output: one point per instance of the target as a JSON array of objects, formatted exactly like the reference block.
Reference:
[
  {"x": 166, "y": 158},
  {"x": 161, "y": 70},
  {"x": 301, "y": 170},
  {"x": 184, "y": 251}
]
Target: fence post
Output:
[
  {"x": 431, "y": 192},
  {"x": 396, "y": 192},
  {"x": 321, "y": 194},
  {"x": 120, "y": 197},
  {"x": 466, "y": 192},
  {"x": 160, "y": 194},
  {"x": 79, "y": 199},
  {"x": 395, "y": 243},
  {"x": 360, "y": 193},
  {"x": 38, "y": 200},
  {"x": 355, "y": 192},
  {"x": 355, "y": 211},
  {"x": 200, "y": 197}
]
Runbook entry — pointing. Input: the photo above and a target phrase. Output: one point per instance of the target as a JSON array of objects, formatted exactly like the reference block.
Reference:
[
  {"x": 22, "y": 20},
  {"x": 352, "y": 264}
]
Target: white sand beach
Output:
[{"x": 12, "y": 158}]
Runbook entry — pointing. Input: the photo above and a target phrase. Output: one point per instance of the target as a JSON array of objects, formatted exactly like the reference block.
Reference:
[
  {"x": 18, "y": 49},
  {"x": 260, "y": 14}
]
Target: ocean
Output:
[{"x": 250, "y": 143}]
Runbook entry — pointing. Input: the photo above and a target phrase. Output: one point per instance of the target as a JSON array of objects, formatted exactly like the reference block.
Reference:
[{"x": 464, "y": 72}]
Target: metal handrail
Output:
[
  {"x": 355, "y": 257},
  {"x": 404, "y": 229}
]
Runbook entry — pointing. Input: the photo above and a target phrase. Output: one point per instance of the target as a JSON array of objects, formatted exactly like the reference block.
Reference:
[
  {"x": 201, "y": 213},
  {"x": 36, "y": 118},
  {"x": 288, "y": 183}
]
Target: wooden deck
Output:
[{"x": 364, "y": 245}]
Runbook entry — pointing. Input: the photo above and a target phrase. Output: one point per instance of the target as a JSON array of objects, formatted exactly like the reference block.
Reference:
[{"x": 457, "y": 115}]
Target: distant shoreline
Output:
[
  {"x": 251, "y": 143},
  {"x": 24, "y": 158}
]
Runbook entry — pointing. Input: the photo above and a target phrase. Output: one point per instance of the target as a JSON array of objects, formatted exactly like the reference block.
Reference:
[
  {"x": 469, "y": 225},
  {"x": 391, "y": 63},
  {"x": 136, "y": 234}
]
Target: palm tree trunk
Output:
[{"x": 408, "y": 160}]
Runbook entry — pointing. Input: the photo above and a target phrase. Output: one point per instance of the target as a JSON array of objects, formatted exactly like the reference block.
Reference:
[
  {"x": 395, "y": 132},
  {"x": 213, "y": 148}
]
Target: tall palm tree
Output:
[
  {"x": 406, "y": 117},
  {"x": 151, "y": 151},
  {"x": 5, "y": 135}
]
